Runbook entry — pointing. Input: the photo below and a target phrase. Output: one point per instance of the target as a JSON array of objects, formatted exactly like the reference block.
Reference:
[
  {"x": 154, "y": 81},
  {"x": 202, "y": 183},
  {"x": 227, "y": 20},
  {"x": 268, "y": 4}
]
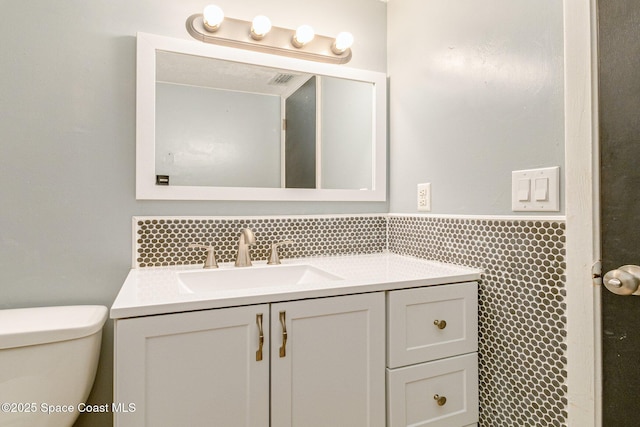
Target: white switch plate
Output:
[
  {"x": 552, "y": 204},
  {"x": 424, "y": 197}
]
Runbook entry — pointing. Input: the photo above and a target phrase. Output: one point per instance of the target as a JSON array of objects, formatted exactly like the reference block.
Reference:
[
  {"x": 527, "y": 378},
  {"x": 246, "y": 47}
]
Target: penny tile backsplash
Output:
[
  {"x": 163, "y": 241},
  {"x": 522, "y": 308}
]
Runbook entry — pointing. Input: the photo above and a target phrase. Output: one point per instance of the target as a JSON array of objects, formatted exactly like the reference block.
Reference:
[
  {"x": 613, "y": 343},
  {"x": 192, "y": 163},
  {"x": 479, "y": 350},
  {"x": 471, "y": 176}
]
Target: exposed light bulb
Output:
[
  {"x": 212, "y": 17},
  {"x": 343, "y": 42},
  {"x": 304, "y": 34},
  {"x": 260, "y": 26}
]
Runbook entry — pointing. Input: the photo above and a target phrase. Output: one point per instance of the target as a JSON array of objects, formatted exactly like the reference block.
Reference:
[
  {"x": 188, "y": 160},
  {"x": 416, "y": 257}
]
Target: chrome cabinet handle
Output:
[
  {"x": 441, "y": 324},
  {"x": 624, "y": 280},
  {"x": 260, "y": 337},
  {"x": 283, "y": 351},
  {"x": 440, "y": 400}
]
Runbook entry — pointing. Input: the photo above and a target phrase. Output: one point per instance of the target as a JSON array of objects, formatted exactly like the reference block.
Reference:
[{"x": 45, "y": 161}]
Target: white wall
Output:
[
  {"x": 67, "y": 133},
  {"x": 476, "y": 91}
]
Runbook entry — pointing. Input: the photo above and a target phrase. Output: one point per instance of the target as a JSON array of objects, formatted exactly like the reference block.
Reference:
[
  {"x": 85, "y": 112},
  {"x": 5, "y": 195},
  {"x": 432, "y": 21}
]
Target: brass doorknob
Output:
[{"x": 440, "y": 400}]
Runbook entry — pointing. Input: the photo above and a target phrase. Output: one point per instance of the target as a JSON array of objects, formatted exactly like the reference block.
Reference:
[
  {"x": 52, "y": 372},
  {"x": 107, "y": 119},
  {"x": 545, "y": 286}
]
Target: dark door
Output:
[
  {"x": 619, "y": 116},
  {"x": 300, "y": 137}
]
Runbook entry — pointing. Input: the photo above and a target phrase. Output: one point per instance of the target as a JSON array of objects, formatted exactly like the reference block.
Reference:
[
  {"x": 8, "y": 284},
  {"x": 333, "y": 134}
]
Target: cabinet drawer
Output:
[
  {"x": 413, "y": 336},
  {"x": 411, "y": 391}
]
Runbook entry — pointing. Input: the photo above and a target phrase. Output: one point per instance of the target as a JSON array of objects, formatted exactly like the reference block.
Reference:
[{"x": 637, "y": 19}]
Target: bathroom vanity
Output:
[{"x": 362, "y": 340}]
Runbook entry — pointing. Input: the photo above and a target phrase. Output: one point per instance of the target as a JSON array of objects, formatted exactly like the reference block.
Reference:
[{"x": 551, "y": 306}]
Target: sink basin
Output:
[{"x": 198, "y": 281}]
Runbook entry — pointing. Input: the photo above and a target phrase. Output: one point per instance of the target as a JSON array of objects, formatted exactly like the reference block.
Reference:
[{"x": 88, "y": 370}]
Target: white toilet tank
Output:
[{"x": 48, "y": 361}]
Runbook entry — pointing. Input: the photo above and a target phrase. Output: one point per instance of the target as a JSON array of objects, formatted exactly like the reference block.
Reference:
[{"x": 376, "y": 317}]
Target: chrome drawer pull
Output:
[
  {"x": 441, "y": 324},
  {"x": 441, "y": 400}
]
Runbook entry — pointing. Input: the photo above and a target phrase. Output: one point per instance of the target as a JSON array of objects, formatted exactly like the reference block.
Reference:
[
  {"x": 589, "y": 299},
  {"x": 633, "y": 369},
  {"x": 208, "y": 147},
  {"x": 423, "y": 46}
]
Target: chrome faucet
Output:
[{"x": 246, "y": 239}]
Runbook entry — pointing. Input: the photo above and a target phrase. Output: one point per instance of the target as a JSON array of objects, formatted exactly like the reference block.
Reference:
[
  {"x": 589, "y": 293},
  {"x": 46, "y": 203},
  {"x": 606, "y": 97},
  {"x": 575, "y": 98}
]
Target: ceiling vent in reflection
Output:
[{"x": 281, "y": 79}]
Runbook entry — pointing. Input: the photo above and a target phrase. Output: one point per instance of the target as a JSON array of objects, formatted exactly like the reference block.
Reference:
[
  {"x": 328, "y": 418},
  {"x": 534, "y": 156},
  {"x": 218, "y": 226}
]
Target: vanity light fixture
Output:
[
  {"x": 260, "y": 26},
  {"x": 260, "y": 35},
  {"x": 344, "y": 41},
  {"x": 304, "y": 34},
  {"x": 212, "y": 17}
]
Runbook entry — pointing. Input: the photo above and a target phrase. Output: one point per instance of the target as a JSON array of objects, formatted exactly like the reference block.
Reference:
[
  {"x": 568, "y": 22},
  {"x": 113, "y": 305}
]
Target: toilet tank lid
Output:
[{"x": 21, "y": 327}]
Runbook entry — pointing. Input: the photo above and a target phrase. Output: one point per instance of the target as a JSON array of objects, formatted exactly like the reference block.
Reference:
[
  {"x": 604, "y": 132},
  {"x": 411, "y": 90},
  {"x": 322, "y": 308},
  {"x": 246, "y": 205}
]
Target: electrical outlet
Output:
[{"x": 424, "y": 197}]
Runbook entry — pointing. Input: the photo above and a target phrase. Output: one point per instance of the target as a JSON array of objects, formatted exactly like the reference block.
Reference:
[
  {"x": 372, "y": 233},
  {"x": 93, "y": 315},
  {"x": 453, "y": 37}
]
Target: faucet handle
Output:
[
  {"x": 273, "y": 253},
  {"x": 210, "y": 262}
]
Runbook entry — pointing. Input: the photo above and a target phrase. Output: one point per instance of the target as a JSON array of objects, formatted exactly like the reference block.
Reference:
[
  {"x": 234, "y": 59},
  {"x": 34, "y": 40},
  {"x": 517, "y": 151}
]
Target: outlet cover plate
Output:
[{"x": 424, "y": 197}]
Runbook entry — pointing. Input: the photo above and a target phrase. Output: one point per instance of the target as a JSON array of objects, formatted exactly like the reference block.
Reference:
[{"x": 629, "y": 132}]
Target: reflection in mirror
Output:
[
  {"x": 208, "y": 133},
  {"x": 229, "y": 124},
  {"x": 347, "y": 132},
  {"x": 220, "y": 123}
]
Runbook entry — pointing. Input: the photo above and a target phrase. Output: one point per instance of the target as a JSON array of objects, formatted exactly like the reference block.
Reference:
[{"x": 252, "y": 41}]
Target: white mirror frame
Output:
[{"x": 146, "y": 188}]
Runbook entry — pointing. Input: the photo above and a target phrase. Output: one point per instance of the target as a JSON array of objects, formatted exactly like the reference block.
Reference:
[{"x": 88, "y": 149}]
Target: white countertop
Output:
[{"x": 158, "y": 290}]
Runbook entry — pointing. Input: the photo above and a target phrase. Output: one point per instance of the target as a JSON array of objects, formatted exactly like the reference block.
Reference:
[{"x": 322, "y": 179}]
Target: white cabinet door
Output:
[
  {"x": 194, "y": 368},
  {"x": 330, "y": 370}
]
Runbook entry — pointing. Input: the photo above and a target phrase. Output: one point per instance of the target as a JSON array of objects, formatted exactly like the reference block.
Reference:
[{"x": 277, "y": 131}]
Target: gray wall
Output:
[
  {"x": 300, "y": 137},
  {"x": 476, "y": 91},
  {"x": 67, "y": 132},
  {"x": 215, "y": 137},
  {"x": 477, "y": 94}
]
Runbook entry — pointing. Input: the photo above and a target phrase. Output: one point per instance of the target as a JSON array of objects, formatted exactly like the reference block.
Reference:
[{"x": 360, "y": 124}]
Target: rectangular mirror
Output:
[{"x": 217, "y": 123}]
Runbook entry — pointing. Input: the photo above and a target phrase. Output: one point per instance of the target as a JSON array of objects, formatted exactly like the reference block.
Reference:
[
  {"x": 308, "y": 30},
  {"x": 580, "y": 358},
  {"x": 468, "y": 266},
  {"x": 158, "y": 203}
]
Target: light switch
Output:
[
  {"x": 536, "y": 190},
  {"x": 524, "y": 190},
  {"x": 541, "y": 189}
]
